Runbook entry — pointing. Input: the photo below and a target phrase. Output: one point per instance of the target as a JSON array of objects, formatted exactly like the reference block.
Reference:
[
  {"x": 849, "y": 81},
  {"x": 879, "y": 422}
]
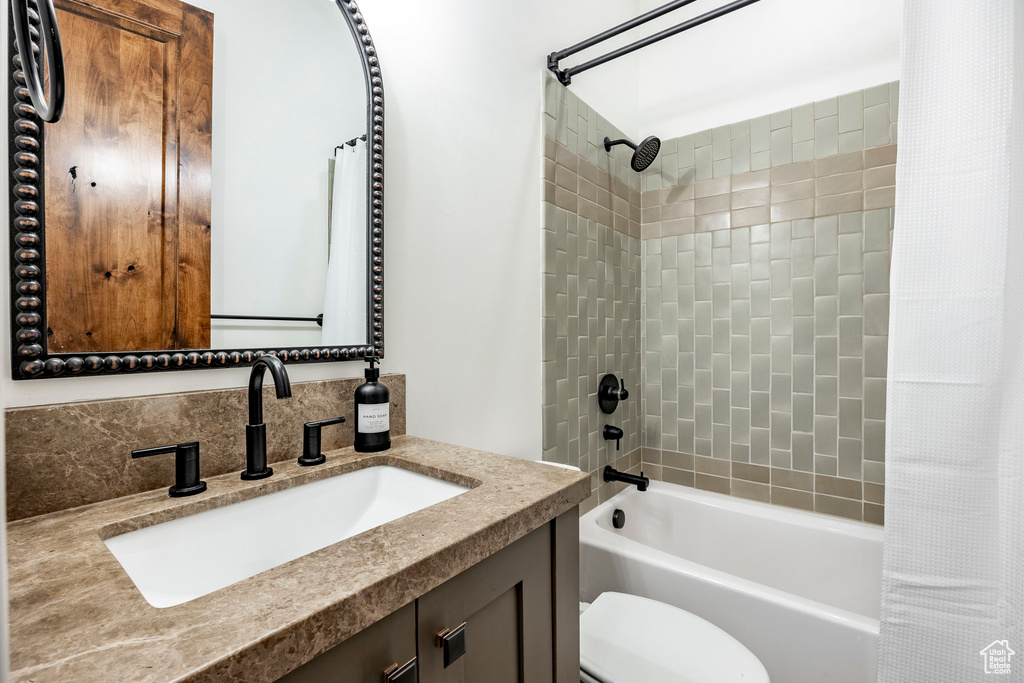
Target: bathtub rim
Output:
[{"x": 593, "y": 533}]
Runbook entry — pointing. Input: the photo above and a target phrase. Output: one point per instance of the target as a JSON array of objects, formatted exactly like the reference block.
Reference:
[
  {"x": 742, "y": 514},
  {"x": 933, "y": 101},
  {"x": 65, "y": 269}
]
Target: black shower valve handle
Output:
[
  {"x": 622, "y": 393},
  {"x": 610, "y": 392}
]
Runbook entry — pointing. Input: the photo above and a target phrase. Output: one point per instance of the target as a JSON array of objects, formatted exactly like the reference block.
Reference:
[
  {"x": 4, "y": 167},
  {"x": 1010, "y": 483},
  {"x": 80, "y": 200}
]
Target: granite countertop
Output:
[{"x": 76, "y": 616}]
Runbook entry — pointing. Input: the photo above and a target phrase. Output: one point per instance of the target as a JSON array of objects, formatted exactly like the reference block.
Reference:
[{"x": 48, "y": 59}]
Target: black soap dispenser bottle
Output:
[{"x": 373, "y": 413}]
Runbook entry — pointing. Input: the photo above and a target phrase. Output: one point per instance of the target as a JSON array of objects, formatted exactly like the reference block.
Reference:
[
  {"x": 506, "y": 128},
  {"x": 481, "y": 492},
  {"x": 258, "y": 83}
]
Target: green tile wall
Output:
[{"x": 766, "y": 249}]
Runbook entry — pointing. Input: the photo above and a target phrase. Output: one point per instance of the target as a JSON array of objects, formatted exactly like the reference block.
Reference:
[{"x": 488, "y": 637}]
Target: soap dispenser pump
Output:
[{"x": 373, "y": 416}]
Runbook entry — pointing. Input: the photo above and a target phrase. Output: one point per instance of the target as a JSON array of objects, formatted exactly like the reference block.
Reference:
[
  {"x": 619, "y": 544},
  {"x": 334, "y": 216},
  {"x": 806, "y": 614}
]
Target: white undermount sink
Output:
[{"x": 177, "y": 561}]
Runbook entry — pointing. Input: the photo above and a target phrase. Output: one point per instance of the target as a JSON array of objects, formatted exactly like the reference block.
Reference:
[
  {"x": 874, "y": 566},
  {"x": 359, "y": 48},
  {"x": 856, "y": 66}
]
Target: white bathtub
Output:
[{"x": 799, "y": 590}]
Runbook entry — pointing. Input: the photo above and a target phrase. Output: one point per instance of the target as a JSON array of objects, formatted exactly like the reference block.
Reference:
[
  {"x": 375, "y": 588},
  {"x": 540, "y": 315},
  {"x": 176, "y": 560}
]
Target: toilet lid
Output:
[{"x": 629, "y": 639}]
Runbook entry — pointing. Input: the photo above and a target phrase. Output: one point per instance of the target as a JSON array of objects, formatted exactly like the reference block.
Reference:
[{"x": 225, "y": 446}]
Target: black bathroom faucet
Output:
[{"x": 256, "y": 430}]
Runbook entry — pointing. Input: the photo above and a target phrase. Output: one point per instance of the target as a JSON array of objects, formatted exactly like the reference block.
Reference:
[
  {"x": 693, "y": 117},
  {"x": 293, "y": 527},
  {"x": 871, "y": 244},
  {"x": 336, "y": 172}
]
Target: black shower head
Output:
[{"x": 644, "y": 154}]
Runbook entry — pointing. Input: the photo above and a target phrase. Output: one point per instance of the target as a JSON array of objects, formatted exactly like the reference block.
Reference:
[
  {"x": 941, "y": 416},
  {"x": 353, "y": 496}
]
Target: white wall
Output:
[
  {"x": 275, "y": 128},
  {"x": 763, "y": 58},
  {"x": 463, "y": 84}
]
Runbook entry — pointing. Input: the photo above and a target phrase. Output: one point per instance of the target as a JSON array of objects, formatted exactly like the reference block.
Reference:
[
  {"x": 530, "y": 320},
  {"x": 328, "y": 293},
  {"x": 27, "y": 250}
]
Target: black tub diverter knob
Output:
[
  {"x": 611, "y": 433},
  {"x": 618, "y": 518}
]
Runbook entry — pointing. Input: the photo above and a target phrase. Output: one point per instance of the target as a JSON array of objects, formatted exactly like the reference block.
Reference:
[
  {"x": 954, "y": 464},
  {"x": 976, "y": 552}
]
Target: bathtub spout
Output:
[{"x": 641, "y": 482}]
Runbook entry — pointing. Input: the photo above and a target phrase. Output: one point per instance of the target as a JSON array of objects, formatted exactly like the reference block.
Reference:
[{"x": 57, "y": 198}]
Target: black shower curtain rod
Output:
[{"x": 565, "y": 75}]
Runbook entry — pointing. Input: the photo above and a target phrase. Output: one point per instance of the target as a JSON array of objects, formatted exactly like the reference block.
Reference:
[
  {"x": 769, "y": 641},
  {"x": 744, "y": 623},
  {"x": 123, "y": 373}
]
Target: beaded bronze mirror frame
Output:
[{"x": 30, "y": 358}]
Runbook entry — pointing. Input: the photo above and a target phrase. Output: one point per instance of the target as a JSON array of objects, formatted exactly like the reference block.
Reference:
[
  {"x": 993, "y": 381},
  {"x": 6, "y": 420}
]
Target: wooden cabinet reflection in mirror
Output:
[{"x": 128, "y": 179}]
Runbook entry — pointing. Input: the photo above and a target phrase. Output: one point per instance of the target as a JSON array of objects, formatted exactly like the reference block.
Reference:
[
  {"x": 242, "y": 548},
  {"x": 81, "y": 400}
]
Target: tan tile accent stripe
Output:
[
  {"x": 793, "y": 498},
  {"x": 792, "y": 479},
  {"x": 835, "y": 486},
  {"x": 681, "y": 477},
  {"x": 841, "y": 507},
  {"x": 719, "y": 468},
  {"x": 751, "y": 490},
  {"x": 755, "y": 473},
  {"x": 874, "y": 513},
  {"x": 679, "y": 461},
  {"x": 844, "y": 183},
  {"x": 874, "y": 493},
  {"x": 707, "y": 482},
  {"x": 837, "y": 496},
  {"x": 574, "y": 184}
]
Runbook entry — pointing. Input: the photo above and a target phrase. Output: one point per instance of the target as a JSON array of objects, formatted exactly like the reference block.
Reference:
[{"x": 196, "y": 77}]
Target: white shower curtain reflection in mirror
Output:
[
  {"x": 345, "y": 297},
  {"x": 953, "y": 582}
]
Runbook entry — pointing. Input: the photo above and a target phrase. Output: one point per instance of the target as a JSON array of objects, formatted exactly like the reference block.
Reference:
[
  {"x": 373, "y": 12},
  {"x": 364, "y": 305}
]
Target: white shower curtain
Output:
[
  {"x": 345, "y": 298},
  {"x": 953, "y": 577}
]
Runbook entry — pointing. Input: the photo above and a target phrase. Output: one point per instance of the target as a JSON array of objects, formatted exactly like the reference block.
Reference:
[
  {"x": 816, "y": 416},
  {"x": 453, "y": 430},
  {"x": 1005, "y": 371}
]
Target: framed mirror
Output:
[{"x": 214, "y": 191}]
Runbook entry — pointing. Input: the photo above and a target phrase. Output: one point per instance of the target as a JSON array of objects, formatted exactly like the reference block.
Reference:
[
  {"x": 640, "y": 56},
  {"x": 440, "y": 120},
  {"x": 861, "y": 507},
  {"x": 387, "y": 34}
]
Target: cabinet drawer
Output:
[
  {"x": 505, "y": 603},
  {"x": 364, "y": 657},
  {"x": 512, "y": 618}
]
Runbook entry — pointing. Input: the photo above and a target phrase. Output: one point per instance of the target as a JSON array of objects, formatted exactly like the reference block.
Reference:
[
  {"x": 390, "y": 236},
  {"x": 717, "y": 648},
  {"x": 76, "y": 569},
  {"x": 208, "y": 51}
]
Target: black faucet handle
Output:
[
  {"x": 186, "y": 467},
  {"x": 325, "y": 423},
  {"x": 311, "y": 454},
  {"x": 156, "y": 450}
]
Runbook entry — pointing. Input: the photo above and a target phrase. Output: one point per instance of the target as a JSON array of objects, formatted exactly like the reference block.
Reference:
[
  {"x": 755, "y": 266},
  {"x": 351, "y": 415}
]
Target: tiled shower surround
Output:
[
  {"x": 766, "y": 305},
  {"x": 763, "y": 297},
  {"x": 592, "y": 284}
]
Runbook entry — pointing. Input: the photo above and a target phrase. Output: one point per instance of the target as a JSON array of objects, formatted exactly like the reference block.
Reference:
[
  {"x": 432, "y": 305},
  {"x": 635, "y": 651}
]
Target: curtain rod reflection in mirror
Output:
[
  {"x": 319, "y": 320},
  {"x": 350, "y": 143}
]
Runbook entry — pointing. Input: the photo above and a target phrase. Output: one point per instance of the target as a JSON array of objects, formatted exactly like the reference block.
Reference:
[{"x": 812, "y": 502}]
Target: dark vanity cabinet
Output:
[
  {"x": 512, "y": 618},
  {"x": 504, "y": 603},
  {"x": 366, "y": 655}
]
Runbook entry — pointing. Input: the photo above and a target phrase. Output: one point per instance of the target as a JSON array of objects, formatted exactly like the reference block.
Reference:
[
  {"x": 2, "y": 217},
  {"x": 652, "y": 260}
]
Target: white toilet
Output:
[{"x": 630, "y": 639}]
